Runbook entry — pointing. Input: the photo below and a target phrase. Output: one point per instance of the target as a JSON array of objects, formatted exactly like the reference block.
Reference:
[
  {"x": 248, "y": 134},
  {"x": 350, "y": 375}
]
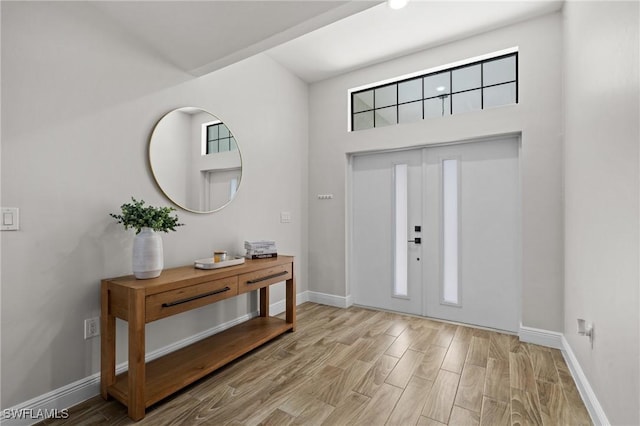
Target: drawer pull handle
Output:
[
  {"x": 200, "y": 296},
  {"x": 268, "y": 277}
]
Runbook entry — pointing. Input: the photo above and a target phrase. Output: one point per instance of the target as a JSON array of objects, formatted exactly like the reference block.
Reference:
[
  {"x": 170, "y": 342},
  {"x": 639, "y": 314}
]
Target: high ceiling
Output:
[
  {"x": 380, "y": 33},
  {"x": 315, "y": 39},
  {"x": 202, "y": 36}
]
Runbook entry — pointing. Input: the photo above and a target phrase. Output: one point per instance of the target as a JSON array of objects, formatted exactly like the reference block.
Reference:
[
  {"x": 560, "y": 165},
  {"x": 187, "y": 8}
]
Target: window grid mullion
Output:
[
  {"x": 482, "y": 85},
  {"x": 422, "y": 101},
  {"x": 451, "y": 92},
  {"x": 443, "y": 96},
  {"x": 397, "y": 104},
  {"x": 374, "y": 108}
]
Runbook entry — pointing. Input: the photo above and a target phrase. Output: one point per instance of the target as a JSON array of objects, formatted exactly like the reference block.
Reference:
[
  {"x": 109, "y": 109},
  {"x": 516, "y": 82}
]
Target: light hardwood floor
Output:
[{"x": 364, "y": 367}]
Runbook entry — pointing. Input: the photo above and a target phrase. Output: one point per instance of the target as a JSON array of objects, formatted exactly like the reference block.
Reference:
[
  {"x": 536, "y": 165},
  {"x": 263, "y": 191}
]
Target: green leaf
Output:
[{"x": 136, "y": 215}]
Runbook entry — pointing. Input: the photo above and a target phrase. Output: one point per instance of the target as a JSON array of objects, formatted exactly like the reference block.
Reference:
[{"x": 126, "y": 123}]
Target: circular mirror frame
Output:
[{"x": 190, "y": 110}]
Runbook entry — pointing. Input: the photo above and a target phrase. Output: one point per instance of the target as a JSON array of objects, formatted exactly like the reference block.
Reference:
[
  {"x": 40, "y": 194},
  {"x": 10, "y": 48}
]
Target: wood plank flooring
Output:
[{"x": 364, "y": 367}]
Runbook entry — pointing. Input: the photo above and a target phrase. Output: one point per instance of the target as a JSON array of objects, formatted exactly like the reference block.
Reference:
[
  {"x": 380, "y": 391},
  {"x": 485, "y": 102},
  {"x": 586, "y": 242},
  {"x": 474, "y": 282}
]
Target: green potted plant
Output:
[{"x": 148, "y": 259}]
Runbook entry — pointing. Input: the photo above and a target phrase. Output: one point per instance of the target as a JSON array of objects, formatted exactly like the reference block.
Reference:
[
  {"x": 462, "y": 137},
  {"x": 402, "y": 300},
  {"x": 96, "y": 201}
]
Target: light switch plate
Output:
[{"x": 10, "y": 220}]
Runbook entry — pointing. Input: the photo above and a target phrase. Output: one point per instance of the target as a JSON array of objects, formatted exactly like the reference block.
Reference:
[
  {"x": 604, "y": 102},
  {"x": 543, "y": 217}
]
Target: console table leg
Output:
[
  {"x": 136, "y": 403},
  {"x": 264, "y": 301},
  {"x": 107, "y": 343},
  {"x": 291, "y": 300}
]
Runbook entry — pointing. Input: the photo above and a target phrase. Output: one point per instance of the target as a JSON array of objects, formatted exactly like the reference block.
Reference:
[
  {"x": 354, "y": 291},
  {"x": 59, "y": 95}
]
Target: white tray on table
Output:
[{"x": 210, "y": 264}]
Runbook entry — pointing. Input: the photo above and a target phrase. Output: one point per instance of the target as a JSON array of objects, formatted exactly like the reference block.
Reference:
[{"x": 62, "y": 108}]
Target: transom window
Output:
[
  {"x": 470, "y": 87},
  {"x": 219, "y": 138}
]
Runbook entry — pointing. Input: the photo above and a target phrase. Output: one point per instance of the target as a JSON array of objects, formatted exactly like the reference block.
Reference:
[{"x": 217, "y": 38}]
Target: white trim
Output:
[
  {"x": 81, "y": 390},
  {"x": 596, "y": 412},
  {"x": 58, "y": 399},
  {"x": 551, "y": 339},
  {"x": 281, "y": 306},
  {"x": 330, "y": 299}
]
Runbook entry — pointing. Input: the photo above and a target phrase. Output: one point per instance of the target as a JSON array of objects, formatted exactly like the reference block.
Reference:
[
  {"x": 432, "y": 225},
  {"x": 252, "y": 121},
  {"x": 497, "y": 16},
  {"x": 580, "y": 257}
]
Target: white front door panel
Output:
[{"x": 465, "y": 200}]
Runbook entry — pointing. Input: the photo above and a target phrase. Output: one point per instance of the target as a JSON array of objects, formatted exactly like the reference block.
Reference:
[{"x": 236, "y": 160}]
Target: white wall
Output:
[
  {"x": 537, "y": 117},
  {"x": 602, "y": 195},
  {"x": 80, "y": 98}
]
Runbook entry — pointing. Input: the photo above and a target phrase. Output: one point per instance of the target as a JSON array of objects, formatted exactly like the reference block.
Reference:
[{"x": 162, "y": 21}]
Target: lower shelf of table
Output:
[{"x": 176, "y": 370}]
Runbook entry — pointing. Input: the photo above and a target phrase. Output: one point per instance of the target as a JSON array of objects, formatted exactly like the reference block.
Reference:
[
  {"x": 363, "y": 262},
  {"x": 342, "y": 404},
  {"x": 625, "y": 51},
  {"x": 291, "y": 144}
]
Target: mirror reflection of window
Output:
[
  {"x": 218, "y": 138},
  {"x": 186, "y": 144}
]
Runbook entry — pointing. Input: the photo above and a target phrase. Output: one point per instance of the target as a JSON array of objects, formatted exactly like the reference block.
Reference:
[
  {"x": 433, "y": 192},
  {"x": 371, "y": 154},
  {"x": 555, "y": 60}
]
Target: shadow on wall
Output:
[
  {"x": 53, "y": 329},
  {"x": 113, "y": 249},
  {"x": 70, "y": 53}
]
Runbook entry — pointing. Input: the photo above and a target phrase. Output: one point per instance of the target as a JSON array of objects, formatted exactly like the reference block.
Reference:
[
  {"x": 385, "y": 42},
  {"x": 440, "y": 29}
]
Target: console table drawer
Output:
[
  {"x": 184, "y": 299},
  {"x": 255, "y": 280}
]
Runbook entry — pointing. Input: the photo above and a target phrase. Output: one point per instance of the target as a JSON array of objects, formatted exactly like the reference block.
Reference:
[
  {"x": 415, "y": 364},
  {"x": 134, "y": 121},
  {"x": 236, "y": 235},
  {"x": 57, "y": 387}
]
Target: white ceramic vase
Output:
[{"x": 148, "y": 258}]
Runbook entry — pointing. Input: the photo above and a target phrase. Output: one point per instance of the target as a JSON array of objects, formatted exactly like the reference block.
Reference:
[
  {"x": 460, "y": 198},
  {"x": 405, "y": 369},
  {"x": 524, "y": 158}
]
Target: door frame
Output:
[{"x": 349, "y": 243}]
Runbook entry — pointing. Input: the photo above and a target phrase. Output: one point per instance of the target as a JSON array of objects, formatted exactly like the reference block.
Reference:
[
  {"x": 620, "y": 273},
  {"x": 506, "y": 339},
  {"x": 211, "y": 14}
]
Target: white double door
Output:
[{"x": 436, "y": 232}]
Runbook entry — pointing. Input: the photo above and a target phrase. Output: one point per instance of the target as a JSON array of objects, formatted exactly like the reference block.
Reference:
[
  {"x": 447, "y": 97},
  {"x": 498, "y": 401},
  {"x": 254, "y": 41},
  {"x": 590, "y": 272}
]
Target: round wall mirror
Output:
[{"x": 195, "y": 160}]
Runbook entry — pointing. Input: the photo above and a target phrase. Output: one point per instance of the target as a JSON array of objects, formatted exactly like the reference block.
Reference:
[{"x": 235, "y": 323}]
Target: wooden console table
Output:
[{"x": 178, "y": 290}]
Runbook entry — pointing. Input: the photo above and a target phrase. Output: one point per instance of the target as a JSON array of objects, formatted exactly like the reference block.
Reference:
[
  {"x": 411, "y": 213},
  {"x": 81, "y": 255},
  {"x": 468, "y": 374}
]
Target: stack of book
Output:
[{"x": 260, "y": 249}]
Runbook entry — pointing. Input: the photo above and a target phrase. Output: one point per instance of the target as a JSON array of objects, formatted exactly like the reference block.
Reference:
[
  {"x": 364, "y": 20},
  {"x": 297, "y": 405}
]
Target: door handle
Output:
[{"x": 417, "y": 240}]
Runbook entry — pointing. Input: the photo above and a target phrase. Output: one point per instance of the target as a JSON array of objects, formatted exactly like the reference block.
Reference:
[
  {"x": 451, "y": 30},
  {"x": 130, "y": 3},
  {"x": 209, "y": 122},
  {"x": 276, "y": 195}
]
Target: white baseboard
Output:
[
  {"x": 596, "y": 412},
  {"x": 330, "y": 299},
  {"x": 35, "y": 410},
  {"x": 557, "y": 340},
  {"x": 280, "y": 307},
  {"x": 550, "y": 339}
]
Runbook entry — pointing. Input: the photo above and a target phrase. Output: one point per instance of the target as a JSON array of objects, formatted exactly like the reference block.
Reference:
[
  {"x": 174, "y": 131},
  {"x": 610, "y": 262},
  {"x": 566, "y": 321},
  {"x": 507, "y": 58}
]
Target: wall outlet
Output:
[
  {"x": 91, "y": 327},
  {"x": 285, "y": 217},
  {"x": 586, "y": 329}
]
